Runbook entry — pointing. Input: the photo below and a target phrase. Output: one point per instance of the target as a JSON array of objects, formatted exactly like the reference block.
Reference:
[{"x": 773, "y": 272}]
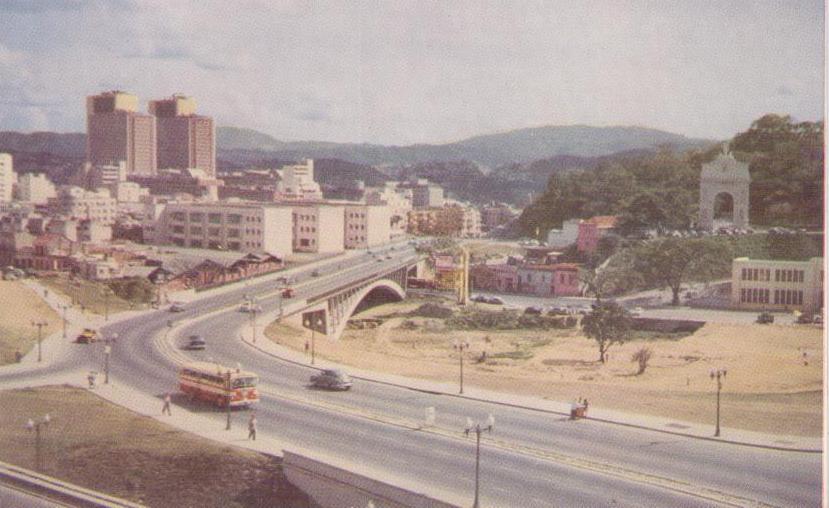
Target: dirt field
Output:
[
  {"x": 19, "y": 306},
  {"x": 89, "y": 294},
  {"x": 770, "y": 386},
  {"x": 100, "y": 446}
]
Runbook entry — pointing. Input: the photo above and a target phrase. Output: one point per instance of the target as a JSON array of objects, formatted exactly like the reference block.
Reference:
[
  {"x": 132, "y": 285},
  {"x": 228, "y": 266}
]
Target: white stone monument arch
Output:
[{"x": 724, "y": 176}]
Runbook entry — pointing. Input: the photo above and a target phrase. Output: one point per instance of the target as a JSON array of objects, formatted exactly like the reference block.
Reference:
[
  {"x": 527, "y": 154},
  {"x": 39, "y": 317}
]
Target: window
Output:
[
  {"x": 234, "y": 218},
  {"x": 233, "y": 245},
  {"x": 196, "y": 216},
  {"x": 233, "y": 233},
  {"x": 214, "y": 231},
  {"x": 178, "y": 229},
  {"x": 196, "y": 243},
  {"x": 195, "y": 230},
  {"x": 214, "y": 218},
  {"x": 178, "y": 216},
  {"x": 178, "y": 241},
  {"x": 214, "y": 245},
  {"x": 777, "y": 276},
  {"x": 304, "y": 242}
]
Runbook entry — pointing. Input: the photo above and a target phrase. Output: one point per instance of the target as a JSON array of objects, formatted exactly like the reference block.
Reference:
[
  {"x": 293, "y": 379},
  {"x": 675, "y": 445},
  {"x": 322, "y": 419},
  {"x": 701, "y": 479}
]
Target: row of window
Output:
[
  {"x": 311, "y": 218},
  {"x": 764, "y": 275},
  {"x": 213, "y": 218},
  {"x": 781, "y": 296},
  {"x": 307, "y": 229}
]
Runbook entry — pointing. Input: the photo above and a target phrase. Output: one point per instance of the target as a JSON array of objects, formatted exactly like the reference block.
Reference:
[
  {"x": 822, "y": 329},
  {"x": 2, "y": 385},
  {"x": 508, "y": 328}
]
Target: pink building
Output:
[
  {"x": 592, "y": 230},
  {"x": 561, "y": 279},
  {"x": 185, "y": 140},
  {"x": 115, "y": 132}
]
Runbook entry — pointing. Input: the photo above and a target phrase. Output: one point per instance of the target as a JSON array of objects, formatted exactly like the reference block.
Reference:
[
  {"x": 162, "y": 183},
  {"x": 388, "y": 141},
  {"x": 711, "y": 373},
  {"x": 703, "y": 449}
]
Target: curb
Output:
[{"x": 546, "y": 411}]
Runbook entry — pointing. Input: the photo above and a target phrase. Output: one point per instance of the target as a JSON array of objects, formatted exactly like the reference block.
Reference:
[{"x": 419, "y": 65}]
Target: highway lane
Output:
[{"x": 777, "y": 477}]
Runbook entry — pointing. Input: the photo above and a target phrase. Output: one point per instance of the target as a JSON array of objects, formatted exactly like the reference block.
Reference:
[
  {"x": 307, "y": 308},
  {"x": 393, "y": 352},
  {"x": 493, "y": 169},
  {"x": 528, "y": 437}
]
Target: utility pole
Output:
[
  {"x": 460, "y": 346},
  {"x": 108, "y": 341},
  {"x": 31, "y": 425},
  {"x": 64, "y": 307},
  {"x": 39, "y": 325}
]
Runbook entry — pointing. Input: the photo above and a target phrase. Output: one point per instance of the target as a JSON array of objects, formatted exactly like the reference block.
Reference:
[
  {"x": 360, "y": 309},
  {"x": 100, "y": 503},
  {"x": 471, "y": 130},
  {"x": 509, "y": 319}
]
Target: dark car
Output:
[
  {"x": 479, "y": 299},
  {"x": 494, "y": 300},
  {"x": 315, "y": 273},
  {"x": 87, "y": 336},
  {"x": 195, "y": 342},
  {"x": 331, "y": 379},
  {"x": 535, "y": 311},
  {"x": 765, "y": 318},
  {"x": 176, "y": 307}
]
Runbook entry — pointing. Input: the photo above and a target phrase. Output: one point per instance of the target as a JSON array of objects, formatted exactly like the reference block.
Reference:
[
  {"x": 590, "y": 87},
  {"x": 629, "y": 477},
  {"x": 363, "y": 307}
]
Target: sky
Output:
[{"x": 404, "y": 72}]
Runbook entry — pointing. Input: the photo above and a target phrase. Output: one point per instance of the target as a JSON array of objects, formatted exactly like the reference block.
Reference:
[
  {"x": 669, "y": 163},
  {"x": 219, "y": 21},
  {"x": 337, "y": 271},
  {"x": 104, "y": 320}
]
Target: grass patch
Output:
[
  {"x": 653, "y": 336},
  {"x": 89, "y": 294},
  {"x": 521, "y": 354}
]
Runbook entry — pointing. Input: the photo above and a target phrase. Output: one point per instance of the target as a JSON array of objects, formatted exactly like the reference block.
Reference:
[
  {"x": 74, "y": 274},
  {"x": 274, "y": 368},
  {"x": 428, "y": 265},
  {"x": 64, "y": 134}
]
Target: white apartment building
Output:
[
  {"x": 298, "y": 182},
  {"x": 366, "y": 226},
  {"x": 399, "y": 203},
  {"x": 777, "y": 285},
  {"x": 129, "y": 192},
  {"x": 227, "y": 226},
  {"x": 7, "y": 178},
  {"x": 76, "y": 203},
  {"x": 319, "y": 228},
  {"x": 35, "y": 188},
  {"x": 564, "y": 237}
]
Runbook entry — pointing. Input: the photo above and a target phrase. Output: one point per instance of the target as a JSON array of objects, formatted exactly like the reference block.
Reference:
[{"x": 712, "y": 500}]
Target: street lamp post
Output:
[
  {"x": 64, "y": 307},
  {"x": 719, "y": 375},
  {"x": 460, "y": 347},
  {"x": 31, "y": 425},
  {"x": 107, "y": 291},
  {"x": 39, "y": 325},
  {"x": 229, "y": 397},
  {"x": 108, "y": 341},
  {"x": 478, "y": 429}
]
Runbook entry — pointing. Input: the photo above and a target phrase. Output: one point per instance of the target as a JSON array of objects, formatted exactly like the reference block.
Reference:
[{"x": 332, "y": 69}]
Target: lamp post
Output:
[
  {"x": 31, "y": 425},
  {"x": 719, "y": 375},
  {"x": 478, "y": 429},
  {"x": 108, "y": 341},
  {"x": 460, "y": 347},
  {"x": 313, "y": 324},
  {"x": 64, "y": 307},
  {"x": 107, "y": 292},
  {"x": 39, "y": 325},
  {"x": 229, "y": 397}
]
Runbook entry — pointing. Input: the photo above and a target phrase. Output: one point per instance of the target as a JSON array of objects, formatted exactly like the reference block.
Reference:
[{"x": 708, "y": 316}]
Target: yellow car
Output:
[{"x": 87, "y": 336}]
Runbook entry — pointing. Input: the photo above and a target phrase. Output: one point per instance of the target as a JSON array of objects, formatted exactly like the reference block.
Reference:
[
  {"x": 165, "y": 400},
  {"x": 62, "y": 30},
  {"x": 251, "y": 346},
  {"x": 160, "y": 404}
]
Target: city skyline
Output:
[{"x": 399, "y": 73}]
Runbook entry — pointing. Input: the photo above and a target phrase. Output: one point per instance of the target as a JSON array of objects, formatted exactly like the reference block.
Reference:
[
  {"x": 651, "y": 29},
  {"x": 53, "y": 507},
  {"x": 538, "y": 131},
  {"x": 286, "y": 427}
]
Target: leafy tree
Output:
[
  {"x": 670, "y": 262},
  {"x": 607, "y": 324},
  {"x": 791, "y": 246},
  {"x": 642, "y": 356}
]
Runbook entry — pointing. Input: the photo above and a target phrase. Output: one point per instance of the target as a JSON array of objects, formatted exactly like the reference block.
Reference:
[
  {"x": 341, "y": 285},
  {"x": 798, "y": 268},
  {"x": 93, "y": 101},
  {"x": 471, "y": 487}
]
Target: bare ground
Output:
[
  {"x": 19, "y": 307},
  {"x": 98, "y": 445},
  {"x": 770, "y": 387}
]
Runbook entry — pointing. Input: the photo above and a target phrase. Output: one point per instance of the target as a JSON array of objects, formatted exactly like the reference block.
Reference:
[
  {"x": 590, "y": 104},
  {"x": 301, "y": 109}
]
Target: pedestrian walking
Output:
[
  {"x": 91, "y": 379},
  {"x": 165, "y": 410},
  {"x": 306, "y": 347},
  {"x": 252, "y": 427}
]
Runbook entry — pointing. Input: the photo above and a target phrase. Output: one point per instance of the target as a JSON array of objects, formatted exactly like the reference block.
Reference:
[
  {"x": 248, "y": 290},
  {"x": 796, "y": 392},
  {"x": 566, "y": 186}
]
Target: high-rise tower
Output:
[
  {"x": 116, "y": 131},
  {"x": 185, "y": 140}
]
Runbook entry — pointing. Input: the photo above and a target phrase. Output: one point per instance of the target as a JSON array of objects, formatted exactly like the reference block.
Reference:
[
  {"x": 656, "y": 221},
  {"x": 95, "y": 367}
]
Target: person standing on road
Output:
[
  {"x": 252, "y": 427},
  {"x": 165, "y": 410},
  {"x": 91, "y": 379}
]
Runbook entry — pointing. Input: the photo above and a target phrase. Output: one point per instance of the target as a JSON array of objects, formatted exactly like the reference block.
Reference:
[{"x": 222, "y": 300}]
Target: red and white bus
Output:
[{"x": 214, "y": 383}]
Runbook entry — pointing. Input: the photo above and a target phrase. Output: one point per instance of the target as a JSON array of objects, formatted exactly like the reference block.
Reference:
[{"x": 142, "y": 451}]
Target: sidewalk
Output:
[{"x": 645, "y": 422}]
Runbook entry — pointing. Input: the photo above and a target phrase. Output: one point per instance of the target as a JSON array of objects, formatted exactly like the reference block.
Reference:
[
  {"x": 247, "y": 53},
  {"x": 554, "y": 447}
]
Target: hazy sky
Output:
[{"x": 408, "y": 72}]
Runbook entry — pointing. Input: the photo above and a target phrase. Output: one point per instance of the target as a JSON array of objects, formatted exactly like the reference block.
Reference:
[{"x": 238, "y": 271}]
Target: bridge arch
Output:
[{"x": 349, "y": 306}]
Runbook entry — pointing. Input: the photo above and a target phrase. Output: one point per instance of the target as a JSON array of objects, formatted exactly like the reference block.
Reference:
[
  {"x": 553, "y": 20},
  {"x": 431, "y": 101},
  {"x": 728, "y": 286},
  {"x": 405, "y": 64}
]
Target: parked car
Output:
[
  {"x": 558, "y": 311},
  {"x": 315, "y": 273},
  {"x": 535, "y": 311},
  {"x": 765, "y": 318},
  {"x": 176, "y": 307},
  {"x": 818, "y": 319},
  {"x": 479, "y": 299},
  {"x": 331, "y": 379},
  {"x": 288, "y": 293},
  {"x": 494, "y": 300},
  {"x": 195, "y": 342},
  {"x": 87, "y": 336}
]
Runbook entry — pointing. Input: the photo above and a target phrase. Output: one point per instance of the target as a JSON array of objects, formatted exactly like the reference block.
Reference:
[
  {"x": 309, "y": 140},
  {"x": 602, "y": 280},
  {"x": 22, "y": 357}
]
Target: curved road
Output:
[{"x": 532, "y": 458}]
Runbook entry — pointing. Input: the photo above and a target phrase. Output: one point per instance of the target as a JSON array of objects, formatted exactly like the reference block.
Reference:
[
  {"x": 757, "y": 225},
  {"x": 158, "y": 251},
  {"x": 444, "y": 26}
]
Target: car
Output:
[
  {"x": 331, "y": 379},
  {"x": 250, "y": 307},
  {"x": 818, "y": 319},
  {"x": 288, "y": 293},
  {"x": 479, "y": 299},
  {"x": 765, "y": 318},
  {"x": 195, "y": 342},
  {"x": 87, "y": 336},
  {"x": 176, "y": 307},
  {"x": 379, "y": 260},
  {"x": 388, "y": 256},
  {"x": 494, "y": 300},
  {"x": 558, "y": 311},
  {"x": 535, "y": 311},
  {"x": 805, "y": 319}
]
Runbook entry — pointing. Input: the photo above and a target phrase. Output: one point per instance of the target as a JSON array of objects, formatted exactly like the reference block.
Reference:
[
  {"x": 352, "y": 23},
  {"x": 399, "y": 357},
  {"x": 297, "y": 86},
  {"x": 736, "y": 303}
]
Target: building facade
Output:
[
  {"x": 7, "y": 178},
  {"x": 777, "y": 285},
  {"x": 298, "y": 182},
  {"x": 400, "y": 204},
  {"x": 77, "y": 203},
  {"x": 366, "y": 226},
  {"x": 116, "y": 131},
  {"x": 35, "y": 188},
  {"x": 318, "y": 228},
  {"x": 564, "y": 237},
  {"x": 592, "y": 230},
  {"x": 185, "y": 140},
  {"x": 227, "y": 226},
  {"x": 426, "y": 195},
  {"x": 560, "y": 279}
]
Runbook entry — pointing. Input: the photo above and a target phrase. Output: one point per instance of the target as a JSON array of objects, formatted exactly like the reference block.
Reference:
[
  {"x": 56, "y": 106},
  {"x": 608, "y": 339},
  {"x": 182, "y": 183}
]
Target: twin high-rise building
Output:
[{"x": 171, "y": 136}]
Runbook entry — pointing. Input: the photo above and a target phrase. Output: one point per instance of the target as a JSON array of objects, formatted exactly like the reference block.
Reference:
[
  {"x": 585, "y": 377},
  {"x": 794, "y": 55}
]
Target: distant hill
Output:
[
  {"x": 72, "y": 144},
  {"x": 488, "y": 151}
]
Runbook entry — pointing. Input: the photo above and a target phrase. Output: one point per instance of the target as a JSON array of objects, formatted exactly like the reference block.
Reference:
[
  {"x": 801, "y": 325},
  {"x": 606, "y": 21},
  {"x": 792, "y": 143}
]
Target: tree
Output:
[
  {"x": 790, "y": 246},
  {"x": 642, "y": 356},
  {"x": 607, "y": 324},
  {"x": 670, "y": 262}
]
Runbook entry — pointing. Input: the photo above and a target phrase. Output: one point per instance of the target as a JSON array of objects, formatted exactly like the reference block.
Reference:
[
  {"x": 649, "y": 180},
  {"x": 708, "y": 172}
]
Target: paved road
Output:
[{"x": 539, "y": 459}]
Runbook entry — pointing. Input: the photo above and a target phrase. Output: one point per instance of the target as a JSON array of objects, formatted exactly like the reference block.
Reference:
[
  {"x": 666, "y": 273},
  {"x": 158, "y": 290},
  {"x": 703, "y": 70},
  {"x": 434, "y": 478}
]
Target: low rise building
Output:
[
  {"x": 559, "y": 279},
  {"x": 777, "y": 285},
  {"x": 592, "y": 230},
  {"x": 228, "y": 226},
  {"x": 564, "y": 237},
  {"x": 77, "y": 203},
  {"x": 399, "y": 203},
  {"x": 298, "y": 182},
  {"x": 366, "y": 226},
  {"x": 451, "y": 220},
  {"x": 35, "y": 188},
  {"x": 495, "y": 215},
  {"x": 7, "y": 178},
  {"x": 427, "y": 195},
  {"x": 318, "y": 228},
  {"x": 168, "y": 182}
]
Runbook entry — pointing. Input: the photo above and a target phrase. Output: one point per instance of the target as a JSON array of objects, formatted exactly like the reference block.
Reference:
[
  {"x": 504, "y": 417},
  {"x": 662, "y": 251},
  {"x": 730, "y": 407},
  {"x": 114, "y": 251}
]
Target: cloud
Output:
[{"x": 35, "y": 6}]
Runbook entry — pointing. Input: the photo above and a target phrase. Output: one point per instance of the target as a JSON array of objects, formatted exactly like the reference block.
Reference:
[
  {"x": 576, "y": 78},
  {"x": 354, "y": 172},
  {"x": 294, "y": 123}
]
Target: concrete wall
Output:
[
  {"x": 334, "y": 487},
  {"x": 277, "y": 234}
]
